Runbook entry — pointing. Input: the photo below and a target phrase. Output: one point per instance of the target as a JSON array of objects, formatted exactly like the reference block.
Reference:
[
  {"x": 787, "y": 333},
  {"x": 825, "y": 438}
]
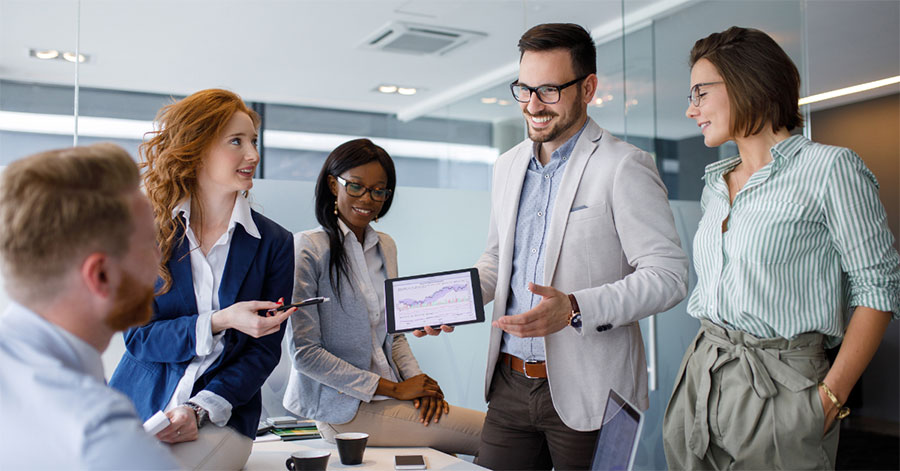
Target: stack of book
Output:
[{"x": 289, "y": 428}]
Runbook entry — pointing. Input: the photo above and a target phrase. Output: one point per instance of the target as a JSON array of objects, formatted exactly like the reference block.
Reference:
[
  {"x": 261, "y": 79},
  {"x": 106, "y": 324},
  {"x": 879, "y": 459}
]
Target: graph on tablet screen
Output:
[{"x": 435, "y": 300}]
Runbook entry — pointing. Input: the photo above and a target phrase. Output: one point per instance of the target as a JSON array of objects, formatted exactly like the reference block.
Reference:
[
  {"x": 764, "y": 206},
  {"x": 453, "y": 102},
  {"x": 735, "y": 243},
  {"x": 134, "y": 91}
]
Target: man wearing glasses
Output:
[{"x": 581, "y": 245}]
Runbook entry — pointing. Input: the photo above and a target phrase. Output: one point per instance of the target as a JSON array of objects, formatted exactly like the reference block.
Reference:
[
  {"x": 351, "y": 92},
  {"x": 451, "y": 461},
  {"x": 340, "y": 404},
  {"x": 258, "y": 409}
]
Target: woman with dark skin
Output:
[{"x": 348, "y": 373}]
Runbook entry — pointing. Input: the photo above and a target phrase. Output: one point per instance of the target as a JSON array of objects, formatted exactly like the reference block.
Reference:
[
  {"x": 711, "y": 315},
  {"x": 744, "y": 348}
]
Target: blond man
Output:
[{"x": 79, "y": 258}]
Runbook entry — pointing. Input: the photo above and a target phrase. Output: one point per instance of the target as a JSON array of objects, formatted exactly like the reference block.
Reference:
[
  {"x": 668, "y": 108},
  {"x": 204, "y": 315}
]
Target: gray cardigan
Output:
[{"x": 331, "y": 343}]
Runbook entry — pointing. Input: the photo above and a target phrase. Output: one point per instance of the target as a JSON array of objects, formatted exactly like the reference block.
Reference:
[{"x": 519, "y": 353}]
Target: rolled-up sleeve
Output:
[{"x": 857, "y": 223}]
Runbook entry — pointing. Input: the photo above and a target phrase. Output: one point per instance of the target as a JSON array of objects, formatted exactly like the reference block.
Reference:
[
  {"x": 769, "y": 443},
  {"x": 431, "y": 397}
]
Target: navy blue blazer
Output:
[{"x": 158, "y": 353}]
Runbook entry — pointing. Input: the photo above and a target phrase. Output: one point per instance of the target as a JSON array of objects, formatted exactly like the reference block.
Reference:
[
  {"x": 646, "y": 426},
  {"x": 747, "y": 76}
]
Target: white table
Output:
[{"x": 270, "y": 456}]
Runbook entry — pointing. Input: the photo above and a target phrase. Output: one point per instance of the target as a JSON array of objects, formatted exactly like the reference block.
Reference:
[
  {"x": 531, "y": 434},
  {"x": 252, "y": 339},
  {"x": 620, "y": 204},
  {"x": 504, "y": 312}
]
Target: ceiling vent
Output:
[{"x": 418, "y": 39}]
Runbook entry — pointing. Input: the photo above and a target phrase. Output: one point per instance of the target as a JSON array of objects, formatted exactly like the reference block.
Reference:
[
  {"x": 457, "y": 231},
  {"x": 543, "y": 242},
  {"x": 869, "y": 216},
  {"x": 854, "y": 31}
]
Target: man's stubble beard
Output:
[
  {"x": 133, "y": 304},
  {"x": 575, "y": 114}
]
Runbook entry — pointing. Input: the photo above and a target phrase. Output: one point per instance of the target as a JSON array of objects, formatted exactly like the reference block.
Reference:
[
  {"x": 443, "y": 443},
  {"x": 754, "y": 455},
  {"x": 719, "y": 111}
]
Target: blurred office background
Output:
[{"x": 428, "y": 80}]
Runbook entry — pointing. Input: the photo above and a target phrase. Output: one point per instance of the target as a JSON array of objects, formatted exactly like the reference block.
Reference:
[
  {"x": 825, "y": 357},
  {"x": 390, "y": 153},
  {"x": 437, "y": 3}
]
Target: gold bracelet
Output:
[{"x": 842, "y": 411}]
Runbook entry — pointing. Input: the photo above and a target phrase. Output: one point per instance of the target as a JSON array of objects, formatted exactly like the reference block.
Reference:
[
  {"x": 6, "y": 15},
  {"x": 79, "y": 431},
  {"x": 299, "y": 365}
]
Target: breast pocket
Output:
[
  {"x": 589, "y": 212},
  {"x": 767, "y": 232}
]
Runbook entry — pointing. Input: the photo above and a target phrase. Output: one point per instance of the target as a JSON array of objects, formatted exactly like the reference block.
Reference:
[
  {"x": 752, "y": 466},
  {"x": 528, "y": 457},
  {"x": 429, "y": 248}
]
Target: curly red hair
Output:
[{"x": 173, "y": 153}]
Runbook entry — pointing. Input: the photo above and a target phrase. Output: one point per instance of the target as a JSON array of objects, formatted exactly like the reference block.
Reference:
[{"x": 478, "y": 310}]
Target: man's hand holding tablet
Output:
[
  {"x": 421, "y": 303},
  {"x": 428, "y": 330}
]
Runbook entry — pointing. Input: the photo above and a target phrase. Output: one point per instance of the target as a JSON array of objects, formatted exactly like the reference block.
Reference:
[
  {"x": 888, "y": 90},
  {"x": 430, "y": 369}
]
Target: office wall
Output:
[{"x": 871, "y": 129}]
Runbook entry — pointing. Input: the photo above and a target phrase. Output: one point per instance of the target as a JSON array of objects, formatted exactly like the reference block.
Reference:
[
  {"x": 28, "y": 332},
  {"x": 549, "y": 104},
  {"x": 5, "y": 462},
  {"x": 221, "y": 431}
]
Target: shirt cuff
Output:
[
  {"x": 219, "y": 409},
  {"x": 205, "y": 341}
]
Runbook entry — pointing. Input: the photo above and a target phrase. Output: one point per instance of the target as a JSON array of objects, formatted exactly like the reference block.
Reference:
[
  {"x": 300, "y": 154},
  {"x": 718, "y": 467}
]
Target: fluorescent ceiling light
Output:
[
  {"x": 387, "y": 88},
  {"x": 395, "y": 147},
  {"x": 849, "y": 90},
  {"x": 65, "y": 124},
  {"x": 489, "y": 100},
  {"x": 406, "y": 91},
  {"x": 115, "y": 128}
]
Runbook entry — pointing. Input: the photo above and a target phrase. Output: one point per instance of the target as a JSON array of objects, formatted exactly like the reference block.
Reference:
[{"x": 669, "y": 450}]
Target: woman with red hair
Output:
[{"x": 213, "y": 340}]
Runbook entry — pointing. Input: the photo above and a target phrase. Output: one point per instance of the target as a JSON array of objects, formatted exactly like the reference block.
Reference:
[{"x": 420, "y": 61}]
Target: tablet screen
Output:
[{"x": 446, "y": 298}]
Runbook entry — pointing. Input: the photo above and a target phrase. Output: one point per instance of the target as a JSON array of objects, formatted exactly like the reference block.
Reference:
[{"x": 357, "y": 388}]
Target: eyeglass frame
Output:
[
  {"x": 534, "y": 90},
  {"x": 371, "y": 191},
  {"x": 696, "y": 88}
]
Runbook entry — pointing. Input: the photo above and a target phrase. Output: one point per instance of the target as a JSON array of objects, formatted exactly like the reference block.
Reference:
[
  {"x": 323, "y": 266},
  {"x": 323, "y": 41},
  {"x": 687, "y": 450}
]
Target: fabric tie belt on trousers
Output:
[{"x": 761, "y": 363}]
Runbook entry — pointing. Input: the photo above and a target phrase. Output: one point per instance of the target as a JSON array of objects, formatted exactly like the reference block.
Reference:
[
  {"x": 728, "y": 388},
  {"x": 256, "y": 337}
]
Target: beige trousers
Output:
[
  {"x": 217, "y": 448},
  {"x": 396, "y": 423},
  {"x": 741, "y": 402}
]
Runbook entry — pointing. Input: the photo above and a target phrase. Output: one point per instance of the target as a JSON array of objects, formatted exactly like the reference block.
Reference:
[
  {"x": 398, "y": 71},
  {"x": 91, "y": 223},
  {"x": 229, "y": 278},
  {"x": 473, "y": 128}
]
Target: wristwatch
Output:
[
  {"x": 575, "y": 315},
  {"x": 202, "y": 414}
]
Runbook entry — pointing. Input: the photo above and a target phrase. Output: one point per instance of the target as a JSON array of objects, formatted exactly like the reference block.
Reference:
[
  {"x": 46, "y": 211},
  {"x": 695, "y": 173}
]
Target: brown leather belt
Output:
[{"x": 531, "y": 369}]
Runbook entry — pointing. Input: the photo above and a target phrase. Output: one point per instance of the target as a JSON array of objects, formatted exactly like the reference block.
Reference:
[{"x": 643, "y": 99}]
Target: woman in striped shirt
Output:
[{"x": 792, "y": 242}]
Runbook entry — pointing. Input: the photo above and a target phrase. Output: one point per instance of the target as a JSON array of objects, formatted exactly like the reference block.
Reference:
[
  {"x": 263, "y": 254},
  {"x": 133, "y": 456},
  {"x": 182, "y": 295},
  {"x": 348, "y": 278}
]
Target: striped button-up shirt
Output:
[{"x": 806, "y": 241}]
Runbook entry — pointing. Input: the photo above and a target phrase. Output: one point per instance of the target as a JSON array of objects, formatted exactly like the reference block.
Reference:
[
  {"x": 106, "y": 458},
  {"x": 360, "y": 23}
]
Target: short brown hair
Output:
[
  {"x": 762, "y": 81},
  {"x": 57, "y": 207},
  {"x": 567, "y": 36}
]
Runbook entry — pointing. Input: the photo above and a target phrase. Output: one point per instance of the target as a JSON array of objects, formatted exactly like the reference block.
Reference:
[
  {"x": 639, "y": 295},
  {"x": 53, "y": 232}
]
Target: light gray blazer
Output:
[
  {"x": 332, "y": 342},
  {"x": 612, "y": 242}
]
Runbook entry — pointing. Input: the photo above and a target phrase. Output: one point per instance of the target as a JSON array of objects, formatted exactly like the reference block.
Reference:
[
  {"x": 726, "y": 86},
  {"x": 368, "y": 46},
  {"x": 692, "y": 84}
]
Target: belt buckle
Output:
[{"x": 525, "y": 368}]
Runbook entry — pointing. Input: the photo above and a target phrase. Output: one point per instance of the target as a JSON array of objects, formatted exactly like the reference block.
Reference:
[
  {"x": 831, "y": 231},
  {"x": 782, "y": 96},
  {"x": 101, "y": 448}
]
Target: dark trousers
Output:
[{"x": 523, "y": 431}]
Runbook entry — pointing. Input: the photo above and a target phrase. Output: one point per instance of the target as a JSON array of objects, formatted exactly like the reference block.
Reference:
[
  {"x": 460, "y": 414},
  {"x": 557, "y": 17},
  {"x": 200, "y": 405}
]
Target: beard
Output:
[
  {"x": 133, "y": 305},
  {"x": 573, "y": 116}
]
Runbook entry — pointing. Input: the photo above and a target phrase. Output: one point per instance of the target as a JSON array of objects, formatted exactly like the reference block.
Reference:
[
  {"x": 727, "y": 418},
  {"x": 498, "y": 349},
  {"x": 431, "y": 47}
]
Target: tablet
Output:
[{"x": 435, "y": 299}]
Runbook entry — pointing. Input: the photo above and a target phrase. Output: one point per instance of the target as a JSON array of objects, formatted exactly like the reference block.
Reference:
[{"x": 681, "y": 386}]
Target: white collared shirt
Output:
[
  {"x": 207, "y": 271},
  {"x": 367, "y": 266},
  {"x": 56, "y": 411}
]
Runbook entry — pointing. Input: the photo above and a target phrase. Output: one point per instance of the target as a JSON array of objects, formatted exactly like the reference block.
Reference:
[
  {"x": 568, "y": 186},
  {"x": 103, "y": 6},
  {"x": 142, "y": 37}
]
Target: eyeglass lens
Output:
[
  {"x": 546, "y": 94},
  {"x": 356, "y": 190}
]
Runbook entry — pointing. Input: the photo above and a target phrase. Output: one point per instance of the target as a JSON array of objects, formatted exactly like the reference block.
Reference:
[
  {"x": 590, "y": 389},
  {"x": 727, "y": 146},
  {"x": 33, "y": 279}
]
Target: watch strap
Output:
[
  {"x": 575, "y": 315},
  {"x": 201, "y": 413}
]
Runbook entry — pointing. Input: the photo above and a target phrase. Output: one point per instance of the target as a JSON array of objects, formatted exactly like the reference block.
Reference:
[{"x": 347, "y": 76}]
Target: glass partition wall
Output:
[{"x": 317, "y": 74}]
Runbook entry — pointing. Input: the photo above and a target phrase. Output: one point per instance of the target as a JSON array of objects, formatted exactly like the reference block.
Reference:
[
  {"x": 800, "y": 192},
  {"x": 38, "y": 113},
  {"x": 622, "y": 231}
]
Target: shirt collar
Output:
[
  {"x": 564, "y": 151},
  {"x": 370, "y": 238},
  {"x": 780, "y": 152},
  {"x": 240, "y": 214},
  {"x": 87, "y": 357},
  {"x": 789, "y": 147}
]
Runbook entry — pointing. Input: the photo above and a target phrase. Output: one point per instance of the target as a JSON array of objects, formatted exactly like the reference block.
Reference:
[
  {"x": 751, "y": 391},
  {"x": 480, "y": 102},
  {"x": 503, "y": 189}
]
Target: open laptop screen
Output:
[{"x": 618, "y": 438}]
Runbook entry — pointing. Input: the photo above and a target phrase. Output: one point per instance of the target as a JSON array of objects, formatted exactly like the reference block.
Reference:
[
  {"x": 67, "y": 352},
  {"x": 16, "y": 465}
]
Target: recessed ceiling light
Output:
[
  {"x": 45, "y": 54},
  {"x": 598, "y": 102},
  {"x": 608, "y": 98},
  {"x": 387, "y": 88},
  {"x": 70, "y": 56},
  {"x": 406, "y": 90},
  {"x": 488, "y": 101},
  {"x": 502, "y": 102}
]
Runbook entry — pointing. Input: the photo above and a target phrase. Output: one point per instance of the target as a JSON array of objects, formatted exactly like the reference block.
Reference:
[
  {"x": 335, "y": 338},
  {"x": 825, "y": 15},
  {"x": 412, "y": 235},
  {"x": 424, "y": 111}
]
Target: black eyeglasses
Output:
[
  {"x": 548, "y": 94},
  {"x": 357, "y": 191},
  {"x": 695, "y": 96}
]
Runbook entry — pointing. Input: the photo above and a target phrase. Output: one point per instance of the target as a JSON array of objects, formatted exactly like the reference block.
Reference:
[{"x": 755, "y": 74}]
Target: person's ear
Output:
[
  {"x": 333, "y": 185},
  {"x": 96, "y": 276},
  {"x": 590, "y": 88}
]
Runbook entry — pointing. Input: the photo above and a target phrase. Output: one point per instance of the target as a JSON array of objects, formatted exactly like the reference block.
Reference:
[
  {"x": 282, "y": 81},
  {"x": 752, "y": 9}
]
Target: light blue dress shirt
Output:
[
  {"x": 56, "y": 411},
  {"x": 532, "y": 223}
]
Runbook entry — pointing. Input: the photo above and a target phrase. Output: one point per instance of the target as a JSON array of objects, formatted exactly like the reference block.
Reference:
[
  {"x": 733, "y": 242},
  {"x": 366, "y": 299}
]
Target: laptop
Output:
[{"x": 617, "y": 442}]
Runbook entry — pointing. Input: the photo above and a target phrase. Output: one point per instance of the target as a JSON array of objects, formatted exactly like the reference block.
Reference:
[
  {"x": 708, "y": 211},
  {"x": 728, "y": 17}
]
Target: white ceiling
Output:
[{"x": 307, "y": 52}]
